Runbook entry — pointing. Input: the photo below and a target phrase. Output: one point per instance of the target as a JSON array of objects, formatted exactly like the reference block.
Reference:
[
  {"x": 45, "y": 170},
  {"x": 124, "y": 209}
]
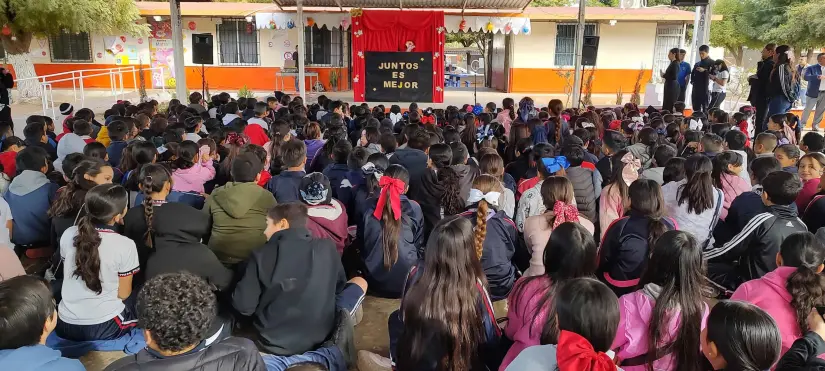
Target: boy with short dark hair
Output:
[
  {"x": 338, "y": 169},
  {"x": 119, "y": 134},
  {"x": 711, "y": 145},
  {"x": 83, "y": 129},
  {"x": 237, "y": 211},
  {"x": 196, "y": 103},
  {"x": 764, "y": 145},
  {"x": 286, "y": 185},
  {"x": 29, "y": 197},
  {"x": 752, "y": 252},
  {"x": 661, "y": 156},
  {"x": 230, "y": 113},
  {"x": 388, "y": 144},
  {"x": 192, "y": 125},
  {"x": 176, "y": 312},
  {"x": 35, "y": 136},
  {"x": 812, "y": 142},
  {"x": 414, "y": 155},
  {"x": 29, "y": 316},
  {"x": 735, "y": 141},
  {"x": 293, "y": 284}
]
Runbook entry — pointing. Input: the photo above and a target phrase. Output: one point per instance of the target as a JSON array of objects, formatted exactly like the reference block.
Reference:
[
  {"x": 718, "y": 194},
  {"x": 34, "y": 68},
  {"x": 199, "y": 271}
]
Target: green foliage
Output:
[
  {"x": 49, "y": 17},
  {"x": 245, "y": 93},
  {"x": 734, "y": 32}
]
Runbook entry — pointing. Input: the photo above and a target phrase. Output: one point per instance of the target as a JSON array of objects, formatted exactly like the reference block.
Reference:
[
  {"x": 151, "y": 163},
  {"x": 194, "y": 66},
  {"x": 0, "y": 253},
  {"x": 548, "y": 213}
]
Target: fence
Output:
[{"x": 76, "y": 78}]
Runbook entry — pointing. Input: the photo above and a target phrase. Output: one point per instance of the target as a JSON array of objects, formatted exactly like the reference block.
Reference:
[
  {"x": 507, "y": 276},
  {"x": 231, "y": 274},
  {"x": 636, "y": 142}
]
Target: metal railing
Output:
[{"x": 76, "y": 77}]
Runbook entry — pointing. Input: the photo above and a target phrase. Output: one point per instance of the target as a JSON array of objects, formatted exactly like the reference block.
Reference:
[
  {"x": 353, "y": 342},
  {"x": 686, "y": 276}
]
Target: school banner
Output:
[{"x": 399, "y": 77}]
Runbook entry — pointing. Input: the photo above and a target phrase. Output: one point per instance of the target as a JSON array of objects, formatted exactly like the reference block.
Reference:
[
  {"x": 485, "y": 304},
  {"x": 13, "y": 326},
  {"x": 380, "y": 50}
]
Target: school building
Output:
[{"x": 532, "y": 51}]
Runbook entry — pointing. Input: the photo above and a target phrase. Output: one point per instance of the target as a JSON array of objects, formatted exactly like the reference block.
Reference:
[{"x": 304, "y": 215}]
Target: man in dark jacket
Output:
[
  {"x": 414, "y": 156},
  {"x": 293, "y": 284},
  {"x": 700, "y": 78},
  {"x": 176, "y": 311},
  {"x": 759, "y": 88},
  {"x": 752, "y": 252}
]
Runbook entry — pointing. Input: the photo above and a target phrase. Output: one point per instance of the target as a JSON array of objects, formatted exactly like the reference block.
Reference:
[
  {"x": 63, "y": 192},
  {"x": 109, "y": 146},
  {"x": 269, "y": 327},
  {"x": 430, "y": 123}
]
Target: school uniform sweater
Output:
[
  {"x": 390, "y": 282},
  {"x": 329, "y": 222},
  {"x": 700, "y": 224},
  {"x": 289, "y": 288},
  {"x": 115, "y": 151},
  {"x": 29, "y": 197},
  {"x": 285, "y": 187},
  {"x": 336, "y": 174},
  {"x": 498, "y": 250},
  {"x": 313, "y": 147},
  {"x": 415, "y": 161}
]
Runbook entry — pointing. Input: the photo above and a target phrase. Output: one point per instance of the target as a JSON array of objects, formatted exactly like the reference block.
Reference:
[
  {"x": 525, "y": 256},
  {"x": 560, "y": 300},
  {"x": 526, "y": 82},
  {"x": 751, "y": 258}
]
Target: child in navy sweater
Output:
[{"x": 285, "y": 186}]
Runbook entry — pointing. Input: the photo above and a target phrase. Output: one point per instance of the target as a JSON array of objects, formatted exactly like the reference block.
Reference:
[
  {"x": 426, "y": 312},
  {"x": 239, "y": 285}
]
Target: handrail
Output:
[{"x": 77, "y": 76}]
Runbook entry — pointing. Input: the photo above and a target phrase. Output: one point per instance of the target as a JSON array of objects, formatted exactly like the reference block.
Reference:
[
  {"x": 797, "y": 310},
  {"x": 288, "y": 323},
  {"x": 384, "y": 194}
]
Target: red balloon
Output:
[
  {"x": 6, "y": 30},
  {"x": 192, "y": 25}
]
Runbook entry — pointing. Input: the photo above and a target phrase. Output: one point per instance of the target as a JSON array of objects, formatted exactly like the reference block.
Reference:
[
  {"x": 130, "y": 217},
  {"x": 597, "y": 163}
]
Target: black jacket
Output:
[
  {"x": 752, "y": 252},
  {"x": 498, "y": 250},
  {"x": 814, "y": 217},
  {"x": 286, "y": 186},
  {"x": 520, "y": 168},
  {"x": 289, "y": 287},
  {"x": 414, "y": 160},
  {"x": 624, "y": 252},
  {"x": 605, "y": 168},
  {"x": 804, "y": 354},
  {"x": 584, "y": 190},
  {"x": 178, "y": 230},
  {"x": 759, "y": 86},
  {"x": 231, "y": 354}
]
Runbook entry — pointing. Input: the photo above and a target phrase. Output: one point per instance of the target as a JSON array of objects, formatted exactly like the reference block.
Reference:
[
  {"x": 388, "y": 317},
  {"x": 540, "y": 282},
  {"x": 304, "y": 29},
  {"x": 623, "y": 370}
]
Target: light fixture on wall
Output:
[
  {"x": 249, "y": 19},
  {"x": 158, "y": 18},
  {"x": 612, "y": 22}
]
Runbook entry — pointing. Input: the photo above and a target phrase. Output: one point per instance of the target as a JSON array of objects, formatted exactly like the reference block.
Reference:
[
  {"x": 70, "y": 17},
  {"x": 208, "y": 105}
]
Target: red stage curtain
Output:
[{"x": 389, "y": 31}]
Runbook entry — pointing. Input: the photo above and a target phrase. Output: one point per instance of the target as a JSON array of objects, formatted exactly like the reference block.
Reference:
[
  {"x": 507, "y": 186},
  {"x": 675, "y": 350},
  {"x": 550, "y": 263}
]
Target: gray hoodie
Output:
[{"x": 640, "y": 150}]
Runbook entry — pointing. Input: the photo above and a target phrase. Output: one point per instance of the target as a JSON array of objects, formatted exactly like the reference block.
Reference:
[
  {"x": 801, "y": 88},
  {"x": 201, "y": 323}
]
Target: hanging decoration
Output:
[
  {"x": 344, "y": 23},
  {"x": 272, "y": 24},
  {"x": 290, "y": 25},
  {"x": 526, "y": 28},
  {"x": 249, "y": 28},
  {"x": 489, "y": 26},
  {"x": 192, "y": 25},
  {"x": 508, "y": 27},
  {"x": 357, "y": 12},
  {"x": 6, "y": 30},
  {"x": 310, "y": 22},
  {"x": 463, "y": 25}
]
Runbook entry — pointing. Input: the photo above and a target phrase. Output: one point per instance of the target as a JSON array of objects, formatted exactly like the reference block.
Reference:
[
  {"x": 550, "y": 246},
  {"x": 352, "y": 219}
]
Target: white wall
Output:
[{"x": 536, "y": 50}]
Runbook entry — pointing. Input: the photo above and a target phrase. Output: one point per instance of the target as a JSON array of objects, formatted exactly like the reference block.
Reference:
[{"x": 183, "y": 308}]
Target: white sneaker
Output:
[{"x": 369, "y": 361}]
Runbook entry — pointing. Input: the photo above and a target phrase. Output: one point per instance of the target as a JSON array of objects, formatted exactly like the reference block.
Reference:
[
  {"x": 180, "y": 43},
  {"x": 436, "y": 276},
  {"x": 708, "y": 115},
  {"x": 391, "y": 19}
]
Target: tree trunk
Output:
[
  {"x": 738, "y": 55},
  {"x": 811, "y": 56},
  {"x": 17, "y": 53}
]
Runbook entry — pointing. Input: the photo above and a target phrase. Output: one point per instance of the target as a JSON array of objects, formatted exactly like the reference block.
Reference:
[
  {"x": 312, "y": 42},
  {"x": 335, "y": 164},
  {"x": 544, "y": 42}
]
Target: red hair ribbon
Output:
[
  {"x": 428, "y": 120},
  {"x": 236, "y": 139},
  {"x": 575, "y": 353},
  {"x": 616, "y": 125},
  {"x": 391, "y": 188},
  {"x": 564, "y": 213}
]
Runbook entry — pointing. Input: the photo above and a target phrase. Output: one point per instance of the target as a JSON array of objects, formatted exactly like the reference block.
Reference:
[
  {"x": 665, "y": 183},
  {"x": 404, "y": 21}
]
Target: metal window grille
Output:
[
  {"x": 566, "y": 42},
  {"x": 324, "y": 47},
  {"x": 667, "y": 37},
  {"x": 71, "y": 47},
  {"x": 238, "y": 42}
]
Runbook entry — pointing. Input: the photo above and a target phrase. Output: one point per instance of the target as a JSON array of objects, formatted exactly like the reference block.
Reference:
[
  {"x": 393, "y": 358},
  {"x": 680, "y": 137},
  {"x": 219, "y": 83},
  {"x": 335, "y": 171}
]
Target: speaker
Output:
[
  {"x": 590, "y": 49},
  {"x": 690, "y": 2},
  {"x": 202, "y": 48}
]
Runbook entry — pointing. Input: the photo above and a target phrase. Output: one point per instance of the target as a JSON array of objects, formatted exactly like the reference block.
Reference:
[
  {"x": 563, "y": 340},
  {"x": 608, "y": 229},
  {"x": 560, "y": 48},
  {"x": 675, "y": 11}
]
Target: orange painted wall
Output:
[
  {"x": 89, "y": 82},
  {"x": 546, "y": 80}
]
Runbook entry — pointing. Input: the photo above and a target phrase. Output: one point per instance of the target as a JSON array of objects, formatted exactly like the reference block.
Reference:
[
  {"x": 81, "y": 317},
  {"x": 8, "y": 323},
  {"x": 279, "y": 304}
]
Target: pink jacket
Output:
[
  {"x": 503, "y": 118},
  {"x": 536, "y": 234},
  {"x": 770, "y": 294},
  {"x": 193, "y": 178},
  {"x": 809, "y": 190},
  {"x": 732, "y": 186},
  {"x": 631, "y": 340},
  {"x": 610, "y": 208},
  {"x": 522, "y": 327}
]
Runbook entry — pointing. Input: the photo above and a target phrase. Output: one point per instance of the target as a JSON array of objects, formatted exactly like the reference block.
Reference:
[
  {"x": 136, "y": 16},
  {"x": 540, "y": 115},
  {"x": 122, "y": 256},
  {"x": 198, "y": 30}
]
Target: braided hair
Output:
[{"x": 153, "y": 178}]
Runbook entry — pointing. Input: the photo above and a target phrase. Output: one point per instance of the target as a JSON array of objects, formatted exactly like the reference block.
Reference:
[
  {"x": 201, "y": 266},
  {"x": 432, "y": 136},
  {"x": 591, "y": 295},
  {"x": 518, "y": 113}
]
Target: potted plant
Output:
[{"x": 333, "y": 79}]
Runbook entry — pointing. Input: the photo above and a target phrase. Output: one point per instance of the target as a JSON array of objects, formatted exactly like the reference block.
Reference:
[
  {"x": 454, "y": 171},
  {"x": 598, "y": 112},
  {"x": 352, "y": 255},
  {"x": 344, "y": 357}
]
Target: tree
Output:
[
  {"x": 804, "y": 27},
  {"x": 28, "y": 18},
  {"x": 734, "y": 32}
]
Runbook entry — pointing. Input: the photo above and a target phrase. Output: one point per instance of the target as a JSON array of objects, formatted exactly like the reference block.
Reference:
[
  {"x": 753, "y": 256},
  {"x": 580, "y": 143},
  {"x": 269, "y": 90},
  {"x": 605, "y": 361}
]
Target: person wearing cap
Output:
[{"x": 66, "y": 109}]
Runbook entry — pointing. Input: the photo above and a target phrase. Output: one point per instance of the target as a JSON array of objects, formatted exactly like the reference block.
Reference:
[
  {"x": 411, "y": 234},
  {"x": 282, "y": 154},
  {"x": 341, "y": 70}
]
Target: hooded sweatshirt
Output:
[
  {"x": 193, "y": 178},
  {"x": 37, "y": 358},
  {"x": 329, "y": 222},
  {"x": 178, "y": 229},
  {"x": 413, "y": 159},
  {"x": 71, "y": 143},
  {"x": 640, "y": 150},
  {"x": 29, "y": 197},
  {"x": 229, "y": 117},
  {"x": 769, "y": 294},
  {"x": 466, "y": 175},
  {"x": 313, "y": 146},
  {"x": 286, "y": 186},
  {"x": 238, "y": 220}
]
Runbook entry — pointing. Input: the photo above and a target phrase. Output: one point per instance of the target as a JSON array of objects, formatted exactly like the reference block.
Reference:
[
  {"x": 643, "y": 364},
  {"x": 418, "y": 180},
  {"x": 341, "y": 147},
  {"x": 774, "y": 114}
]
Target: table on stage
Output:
[{"x": 291, "y": 72}]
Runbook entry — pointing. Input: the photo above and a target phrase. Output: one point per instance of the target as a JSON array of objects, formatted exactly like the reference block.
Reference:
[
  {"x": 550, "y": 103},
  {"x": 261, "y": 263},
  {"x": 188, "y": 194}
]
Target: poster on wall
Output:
[
  {"x": 123, "y": 49},
  {"x": 398, "y": 77},
  {"x": 161, "y": 54}
]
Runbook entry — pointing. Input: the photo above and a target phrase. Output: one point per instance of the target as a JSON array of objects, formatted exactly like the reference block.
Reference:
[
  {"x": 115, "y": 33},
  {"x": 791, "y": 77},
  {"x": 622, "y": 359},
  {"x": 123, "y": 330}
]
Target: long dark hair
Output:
[
  {"x": 70, "y": 201},
  {"x": 698, "y": 191},
  {"x": 616, "y": 179},
  {"x": 554, "y": 189},
  {"x": 441, "y": 309},
  {"x": 381, "y": 163},
  {"x": 745, "y": 336},
  {"x": 649, "y": 138},
  {"x": 187, "y": 151},
  {"x": 143, "y": 153},
  {"x": 588, "y": 308},
  {"x": 509, "y": 104},
  {"x": 646, "y": 200},
  {"x": 441, "y": 156},
  {"x": 720, "y": 166},
  {"x": 279, "y": 131},
  {"x": 152, "y": 178},
  {"x": 676, "y": 266},
  {"x": 804, "y": 252},
  {"x": 392, "y": 226},
  {"x": 102, "y": 204},
  {"x": 571, "y": 252}
]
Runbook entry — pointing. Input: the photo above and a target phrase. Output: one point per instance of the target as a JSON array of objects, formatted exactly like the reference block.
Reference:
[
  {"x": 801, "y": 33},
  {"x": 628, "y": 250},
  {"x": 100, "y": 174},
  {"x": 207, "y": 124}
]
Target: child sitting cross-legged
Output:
[{"x": 292, "y": 286}]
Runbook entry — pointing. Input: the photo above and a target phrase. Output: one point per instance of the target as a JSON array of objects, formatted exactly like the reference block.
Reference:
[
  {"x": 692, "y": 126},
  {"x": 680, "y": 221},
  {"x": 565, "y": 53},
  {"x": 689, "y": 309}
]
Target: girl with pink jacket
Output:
[
  {"x": 789, "y": 292},
  {"x": 570, "y": 253},
  {"x": 667, "y": 311},
  {"x": 726, "y": 168},
  {"x": 192, "y": 168}
]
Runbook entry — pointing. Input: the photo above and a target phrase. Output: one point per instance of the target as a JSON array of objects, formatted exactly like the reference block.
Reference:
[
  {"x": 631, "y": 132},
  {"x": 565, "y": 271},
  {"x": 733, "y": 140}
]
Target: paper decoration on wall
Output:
[
  {"x": 526, "y": 28},
  {"x": 140, "y": 41},
  {"x": 288, "y": 56},
  {"x": 310, "y": 22},
  {"x": 6, "y": 30},
  {"x": 270, "y": 44},
  {"x": 99, "y": 55},
  {"x": 272, "y": 25},
  {"x": 508, "y": 27},
  {"x": 290, "y": 25},
  {"x": 287, "y": 44},
  {"x": 192, "y": 25},
  {"x": 344, "y": 23},
  {"x": 43, "y": 53},
  {"x": 463, "y": 25}
]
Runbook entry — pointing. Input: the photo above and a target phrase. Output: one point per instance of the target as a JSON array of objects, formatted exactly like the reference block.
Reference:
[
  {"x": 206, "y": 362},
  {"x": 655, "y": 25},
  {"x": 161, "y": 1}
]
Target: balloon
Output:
[
  {"x": 490, "y": 26},
  {"x": 462, "y": 25},
  {"x": 526, "y": 28},
  {"x": 310, "y": 22},
  {"x": 6, "y": 30}
]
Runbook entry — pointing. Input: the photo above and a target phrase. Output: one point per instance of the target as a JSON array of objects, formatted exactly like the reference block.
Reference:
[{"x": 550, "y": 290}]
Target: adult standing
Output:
[
  {"x": 803, "y": 85},
  {"x": 684, "y": 75},
  {"x": 671, "y": 77},
  {"x": 720, "y": 79},
  {"x": 758, "y": 96},
  {"x": 6, "y": 83},
  {"x": 295, "y": 56},
  {"x": 783, "y": 85},
  {"x": 701, "y": 79},
  {"x": 815, "y": 93}
]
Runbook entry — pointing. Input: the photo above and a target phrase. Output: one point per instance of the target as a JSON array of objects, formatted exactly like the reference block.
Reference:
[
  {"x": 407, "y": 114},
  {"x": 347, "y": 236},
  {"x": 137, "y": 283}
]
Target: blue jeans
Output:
[
  {"x": 331, "y": 357},
  {"x": 777, "y": 105}
]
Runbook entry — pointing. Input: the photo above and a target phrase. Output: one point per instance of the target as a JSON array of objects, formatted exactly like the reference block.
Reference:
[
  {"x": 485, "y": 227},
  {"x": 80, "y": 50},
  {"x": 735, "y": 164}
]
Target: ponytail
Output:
[
  {"x": 152, "y": 178},
  {"x": 392, "y": 228},
  {"x": 393, "y": 185},
  {"x": 481, "y": 228},
  {"x": 87, "y": 256},
  {"x": 451, "y": 201},
  {"x": 807, "y": 289}
]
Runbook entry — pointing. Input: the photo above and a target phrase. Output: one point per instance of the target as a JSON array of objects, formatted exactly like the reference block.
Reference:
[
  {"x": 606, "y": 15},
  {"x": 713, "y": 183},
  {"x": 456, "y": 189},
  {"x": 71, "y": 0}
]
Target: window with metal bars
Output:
[
  {"x": 71, "y": 47},
  {"x": 566, "y": 42},
  {"x": 324, "y": 47},
  {"x": 238, "y": 42},
  {"x": 667, "y": 37}
]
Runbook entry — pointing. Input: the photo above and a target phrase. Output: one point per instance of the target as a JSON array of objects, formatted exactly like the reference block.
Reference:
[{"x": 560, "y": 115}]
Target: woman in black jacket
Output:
[{"x": 670, "y": 76}]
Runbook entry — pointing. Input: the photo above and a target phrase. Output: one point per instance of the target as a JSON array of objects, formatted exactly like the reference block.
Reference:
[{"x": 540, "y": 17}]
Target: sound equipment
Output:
[
  {"x": 590, "y": 49},
  {"x": 202, "y": 48},
  {"x": 690, "y": 2}
]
